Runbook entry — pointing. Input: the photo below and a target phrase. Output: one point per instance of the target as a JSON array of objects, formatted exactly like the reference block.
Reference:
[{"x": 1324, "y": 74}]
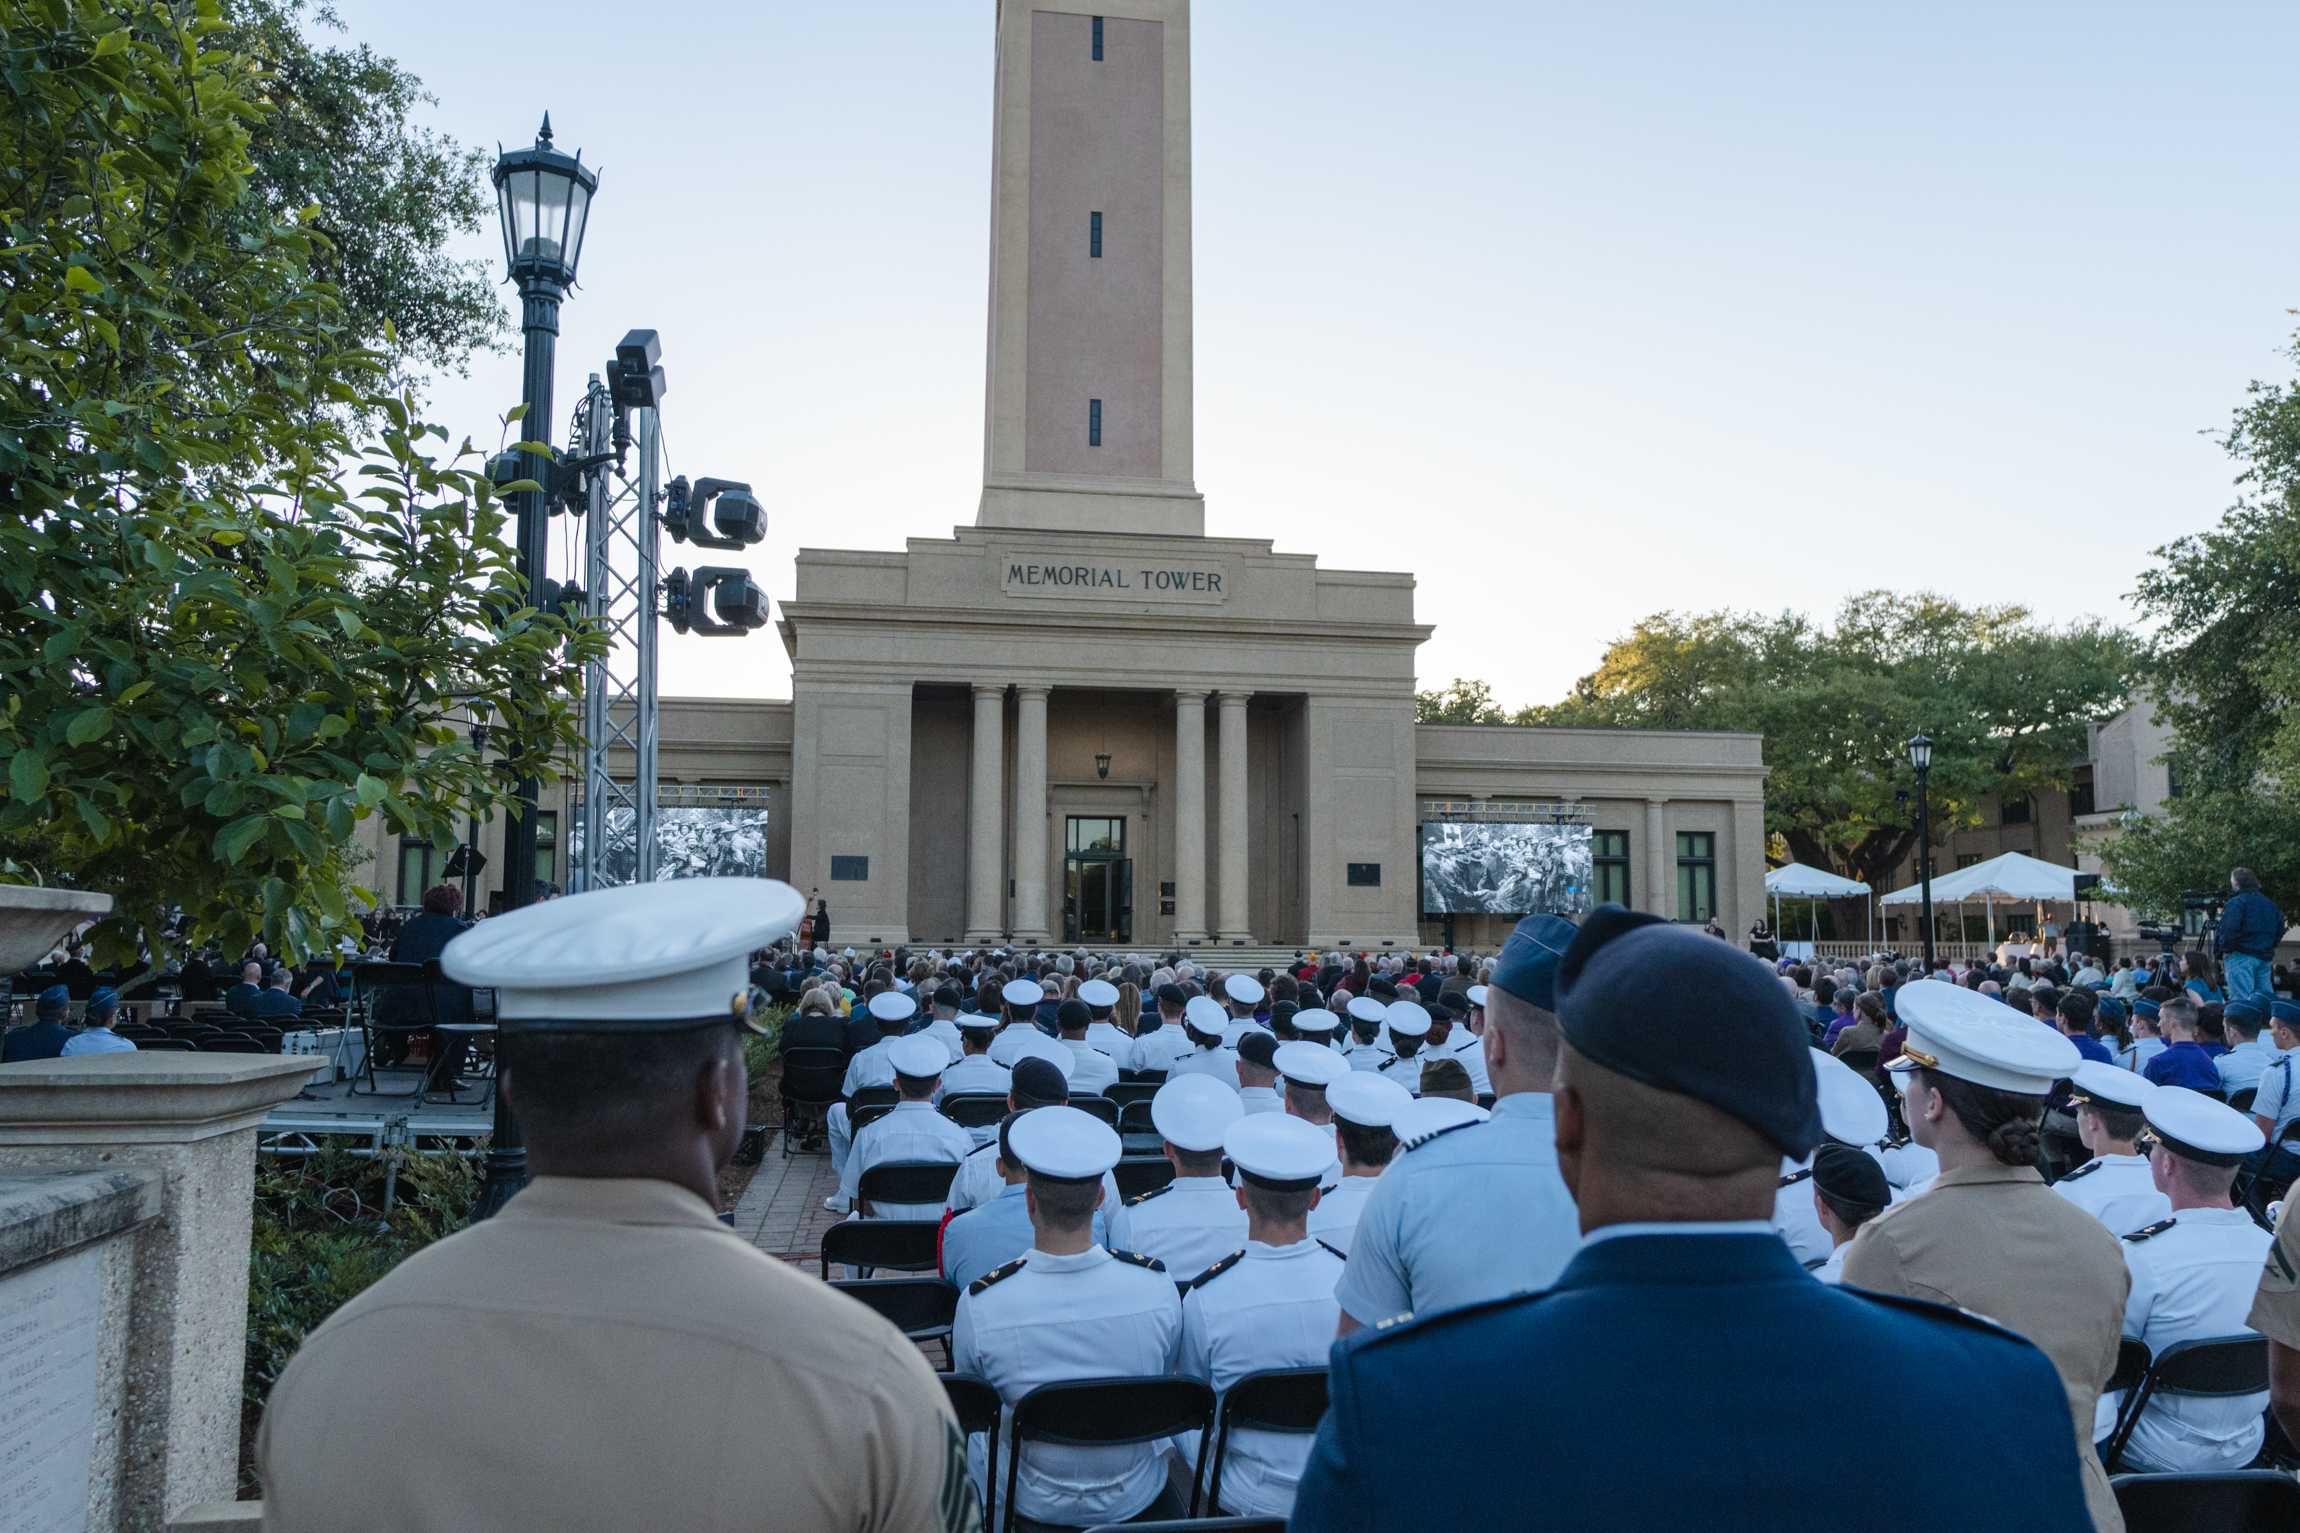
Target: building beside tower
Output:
[{"x": 1081, "y": 719}]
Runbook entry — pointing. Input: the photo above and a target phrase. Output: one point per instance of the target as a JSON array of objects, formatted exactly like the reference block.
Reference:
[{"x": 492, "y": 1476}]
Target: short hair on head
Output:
[
  {"x": 1527, "y": 1026},
  {"x": 1196, "y": 1162},
  {"x": 1447, "y": 1078},
  {"x": 1366, "y": 1146},
  {"x": 2244, "y": 878},
  {"x": 1645, "y": 1132},
  {"x": 607, "y": 1086},
  {"x": 2117, "y": 1121},
  {"x": 1270, "y": 1204},
  {"x": 1303, "y": 1100},
  {"x": 442, "y": 900},
  {"x": 1063, "y": 1203},
  {"x": 2177, "y": 1011}
]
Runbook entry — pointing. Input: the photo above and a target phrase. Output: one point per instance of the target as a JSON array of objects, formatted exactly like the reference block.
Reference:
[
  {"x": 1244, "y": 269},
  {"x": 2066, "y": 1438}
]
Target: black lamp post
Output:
[
  {"x": 1921, "y": 757},
  {"x": 544, "y": 200}
]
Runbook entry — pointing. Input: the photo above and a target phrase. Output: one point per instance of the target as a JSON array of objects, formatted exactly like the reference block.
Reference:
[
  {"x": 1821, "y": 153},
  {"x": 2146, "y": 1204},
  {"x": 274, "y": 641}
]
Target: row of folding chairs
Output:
[
  {"x": 1114, "y": 1412},
  {"x": 2235, "y": 1501},
  {"x": 2216, "y": 1365}
]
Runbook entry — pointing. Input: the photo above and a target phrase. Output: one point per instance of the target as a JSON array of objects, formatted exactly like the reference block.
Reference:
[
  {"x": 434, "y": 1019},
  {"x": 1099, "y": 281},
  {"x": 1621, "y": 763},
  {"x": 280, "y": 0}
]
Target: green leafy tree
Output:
[
  {"x": 1464, "y": 702},
  {"x": 228, "y": 632}
]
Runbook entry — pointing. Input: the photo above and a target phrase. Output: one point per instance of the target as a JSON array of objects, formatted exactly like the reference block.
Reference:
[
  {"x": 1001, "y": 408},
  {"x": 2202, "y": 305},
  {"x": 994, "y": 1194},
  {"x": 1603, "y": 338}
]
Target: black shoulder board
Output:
[
  {"x": 997, "y": 1275},
  {"x": 2152, "y": 1231},
  {"x": 1344, "y": 1255},
  {"x": 988, "y": 1144},
  {"x": 1138, "y": 1259},
  {"x": 2087, "y": 1169},
  {"x": 1451, "y": 1128},
  {"x": 1215, "y": 1271},
  {"x": 1794, "y": 1177},
  {"x": 1144, "y": 1197}
]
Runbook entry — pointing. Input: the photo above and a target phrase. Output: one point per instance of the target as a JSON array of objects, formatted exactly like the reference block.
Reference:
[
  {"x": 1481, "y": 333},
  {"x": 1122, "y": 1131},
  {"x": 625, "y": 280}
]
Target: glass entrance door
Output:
[{"x": 1097, "y": 881}]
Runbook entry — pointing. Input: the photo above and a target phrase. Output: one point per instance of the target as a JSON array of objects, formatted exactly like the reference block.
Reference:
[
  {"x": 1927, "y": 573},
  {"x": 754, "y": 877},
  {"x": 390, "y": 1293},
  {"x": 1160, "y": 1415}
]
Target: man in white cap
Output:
[
  {"x": 606, "y": 1326},
  {"x": 1243, "y": 992},
  {"x": 1258, "y": 1072},
  {"x": 1092, "y": 1072},
  {"x": 1156, "y": 1048},
  {"x": 891, "y": 1012},
  {"x": 1070, "y": 1309},
  {"x": 1408, "y": 1024},
  {"x": 1204, "y": 1022},
  {"x": 995, "y": 1230},
  {"x": 976, "y": 1071},
  {"x": 1366, "y": 1046},
  {"x": 1988, "y": 1235},
  {"x": 1853, "y": 1115},
  {"x": 1305, "y": 1070},
  {"x": 1448, "y": 1039},
  {"x": 1364, "y": 1106},
  {"x": 1018, "y": 999},
  {"x": 1474, "y": 1023},
  {"x": 913, "y": 1131},
  {"x": 1267, "y": 1305},
  {"x": 2194, "y": 1273},
  {"x": 1037, "y": 1083},
  {"x": 1315, "y": 1024},
  {"x": 1101, "y": 998},
  {"x": 2116, "y": 1186},
  {"x": 1194, "y": 1220}
]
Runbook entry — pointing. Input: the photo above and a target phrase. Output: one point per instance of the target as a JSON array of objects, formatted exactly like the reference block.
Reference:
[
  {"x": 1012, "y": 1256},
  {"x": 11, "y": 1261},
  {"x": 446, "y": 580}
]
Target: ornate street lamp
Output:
[
  {"x": 1921, "y": 758},
  {"x": 1102, "y": 764}
]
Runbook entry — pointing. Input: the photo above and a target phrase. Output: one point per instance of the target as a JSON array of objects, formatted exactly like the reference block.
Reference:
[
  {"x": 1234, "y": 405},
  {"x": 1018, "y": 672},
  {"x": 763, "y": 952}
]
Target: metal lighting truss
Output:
[{"x": 620, "y": 710}]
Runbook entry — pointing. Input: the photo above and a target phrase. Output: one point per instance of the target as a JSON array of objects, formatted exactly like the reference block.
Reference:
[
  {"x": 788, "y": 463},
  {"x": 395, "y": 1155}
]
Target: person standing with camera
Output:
[{"x": 2250, "y": 928}]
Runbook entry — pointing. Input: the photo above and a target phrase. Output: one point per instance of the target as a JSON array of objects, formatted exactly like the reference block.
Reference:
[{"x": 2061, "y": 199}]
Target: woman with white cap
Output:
[{"x": 1989, "y": 1236}]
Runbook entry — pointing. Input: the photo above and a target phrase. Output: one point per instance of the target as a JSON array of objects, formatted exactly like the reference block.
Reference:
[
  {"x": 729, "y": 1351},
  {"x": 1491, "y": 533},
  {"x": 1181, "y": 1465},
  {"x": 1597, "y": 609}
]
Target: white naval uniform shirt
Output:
[
  {"x": 1189, "y": 1224},
  {"x": 2192, "y": 1280},
  {"x": 1025, "y": 1038},
  {"x": 978, "y": 1182},
  {"x": 1086, "y": 1316},
  {"x": 945, "y": 1032},
  {"x": 1239, "y": 1027},
  {"x": 912, "y": 1131},
  {"x": 1364, "y": 1056},
  {"x": 1114, "y": 1041},
  {"x": 869, "y": 1067},
  {"x": 1261, "y": 1099},
  {"x": 1221, "y": 1064},
  {"x": 977, "y": 1073},
  {"x": 1469, "y": 1050},
  {"x": 1833, "y": 1270},
  {"x": 1908, "y": 1167},
  {"x": 2117, "y": 1190},
  {"x": 1794, "y": 1216},
  {"x": 1161, "y": 1046},
  {"x": 1405, "y": 1069},
  {"x": 1091, "y": 1070},
  {"x": 1335, "y": 1219},
  {"x": 1266, "y": 1307}
]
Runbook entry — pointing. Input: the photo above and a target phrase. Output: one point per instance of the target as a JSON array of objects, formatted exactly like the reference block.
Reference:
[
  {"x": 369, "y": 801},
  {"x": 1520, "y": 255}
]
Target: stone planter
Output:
[{"x": 33, "y": 920}]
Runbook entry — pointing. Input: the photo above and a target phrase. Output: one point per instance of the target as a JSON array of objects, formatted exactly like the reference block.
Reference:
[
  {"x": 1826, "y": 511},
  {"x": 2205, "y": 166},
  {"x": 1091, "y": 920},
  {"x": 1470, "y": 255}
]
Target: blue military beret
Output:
[
  {"x": 2144, "y": 1007},
  {"x": 53, "y": 1000},
  {"x": 1528, "y": 964},
  {"x": 2286, "y": 1012},
  {"x": 1675, "y": 1009}
]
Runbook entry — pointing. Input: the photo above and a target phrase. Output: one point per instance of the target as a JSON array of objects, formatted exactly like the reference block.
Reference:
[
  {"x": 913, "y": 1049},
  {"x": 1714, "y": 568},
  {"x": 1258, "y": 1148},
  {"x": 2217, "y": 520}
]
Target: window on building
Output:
[
  {"x": 1097, "y": 39},
  {"x": 2015, "y": 811},
  {"x": 2080, "y": 794},
  {"x": 1967, "y": 859},
  {"x": 1696, "y": 875},
  {"x": 1094, "y": 423},
  {"x": 417, "y": 861},
  {"x": 1609, "y": 867},
  {"x": 1094, "y": 235},
  {"x": 2172, "y": 782},
  {"x": 546, "y": 847}
]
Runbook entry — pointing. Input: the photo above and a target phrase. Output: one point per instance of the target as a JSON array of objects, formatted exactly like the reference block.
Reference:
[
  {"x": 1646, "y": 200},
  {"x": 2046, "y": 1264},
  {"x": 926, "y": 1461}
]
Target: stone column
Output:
[
  {"x": 1660, "y": 863},
  {"x": 1189, "y": 816},
  {"x": 191, "y": 1118},
  {"x": 986, "y": 832},
  {"x": 1234, "y": 843},
  {"x": 1030, "y": 814}
]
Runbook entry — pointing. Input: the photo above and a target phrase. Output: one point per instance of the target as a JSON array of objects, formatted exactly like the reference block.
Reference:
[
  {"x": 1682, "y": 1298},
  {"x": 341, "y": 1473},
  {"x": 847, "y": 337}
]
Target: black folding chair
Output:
[
  {"x": 922, "y": 1308},
  {"x": 2218, "y": 1365},
  {"x": 905, "y": 1181},
  {"x": 1100, "y": 1107},
  {"x": 974, "y": 1109},
  {"x": 231, "y": 1043},
  {"x": 1138, "y": 1174},
  {"x": 1107, "y": 1413},
  {"x": 1134, "y": 1117},
  {"x": 1129, "y": 1089},
  {"x": 164, "y": 1046},
  {"x": 901, "y": 1245},
  {"x": 2242, "y": 1100},
  {"x": 1197, "y": 1525},
  {"x": 2132, "y": 1360},
  {"x": 976, "y": 1404},
  {"x": 870, "y": 1104},
  {"x": 811, "y": 1081},
  {"x": 2233, "y": 1501},
  {"x": 371, "y": 983},
  {"x": 270, "y": 1037},
  {"x": 1273, "y": 1400}
]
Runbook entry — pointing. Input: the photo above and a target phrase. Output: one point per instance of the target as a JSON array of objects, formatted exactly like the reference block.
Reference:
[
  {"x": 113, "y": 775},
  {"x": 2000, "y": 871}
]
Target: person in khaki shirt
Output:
[
  {"x": 2276, "y": 1315},
  {"x": 604, "y": 1354},
  {"x": 1989, "y": 1236}
]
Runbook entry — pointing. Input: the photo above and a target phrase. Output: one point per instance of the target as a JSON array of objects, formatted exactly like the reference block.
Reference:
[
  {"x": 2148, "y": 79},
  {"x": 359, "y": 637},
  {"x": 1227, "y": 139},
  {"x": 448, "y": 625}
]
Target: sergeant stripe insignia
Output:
[
  {"x": 2087, "y": 1169},
  {"x": 998, "y": 1274},
  {"x": 1143, "y": 1197},
  {"x": 1135, "y": 1257},
  {"x": 2152, "y": 1231},
  {"x": 1794, "y": 1177},
  {"x": 1215, "y": 1271}
]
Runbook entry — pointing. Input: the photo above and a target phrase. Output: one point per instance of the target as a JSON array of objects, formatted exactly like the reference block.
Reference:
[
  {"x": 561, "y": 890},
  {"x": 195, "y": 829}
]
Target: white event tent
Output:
[
  {"x": 2014, "y": 877},
  {"x": 1799, "y": 882}
]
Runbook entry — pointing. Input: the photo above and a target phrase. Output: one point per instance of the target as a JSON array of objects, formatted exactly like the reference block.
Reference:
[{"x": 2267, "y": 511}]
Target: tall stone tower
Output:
[{"x": 1088, "y": 415}]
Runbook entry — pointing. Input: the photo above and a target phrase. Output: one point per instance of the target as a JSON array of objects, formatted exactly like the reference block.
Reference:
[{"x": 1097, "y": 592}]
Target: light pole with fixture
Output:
[{"x": 1921, "y": 757}]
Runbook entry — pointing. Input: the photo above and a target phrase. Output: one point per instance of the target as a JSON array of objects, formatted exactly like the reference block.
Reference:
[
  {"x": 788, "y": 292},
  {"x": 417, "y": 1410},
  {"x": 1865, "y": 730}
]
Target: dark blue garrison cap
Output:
[
  {"x": 1528, "y": 964},
  {"x": 1673, "y": 1008},
  {"x": 53, "y": 1002},
  {"x": 2144, "y": 1007},
  {"x": 2246, "y": 1008},
  {"x": 2286, "y": 1012}
]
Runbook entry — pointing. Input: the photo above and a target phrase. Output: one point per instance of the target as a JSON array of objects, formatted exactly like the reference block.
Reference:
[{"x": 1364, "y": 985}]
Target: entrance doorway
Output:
[{"x": 1097, "y": 881}]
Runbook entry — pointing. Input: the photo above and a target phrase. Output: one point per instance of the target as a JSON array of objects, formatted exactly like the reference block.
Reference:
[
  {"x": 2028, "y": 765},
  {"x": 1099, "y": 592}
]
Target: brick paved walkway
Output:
[{"x": 782, "y": 1211}]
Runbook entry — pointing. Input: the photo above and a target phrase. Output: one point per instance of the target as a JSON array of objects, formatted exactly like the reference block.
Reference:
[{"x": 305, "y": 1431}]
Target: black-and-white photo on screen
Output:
[{"x": 1490, "y": 869}]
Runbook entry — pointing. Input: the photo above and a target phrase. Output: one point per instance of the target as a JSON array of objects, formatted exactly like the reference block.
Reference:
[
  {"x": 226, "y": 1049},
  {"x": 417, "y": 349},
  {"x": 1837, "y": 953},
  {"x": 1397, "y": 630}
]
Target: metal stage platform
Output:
[{"x": 329, "y": 1117}]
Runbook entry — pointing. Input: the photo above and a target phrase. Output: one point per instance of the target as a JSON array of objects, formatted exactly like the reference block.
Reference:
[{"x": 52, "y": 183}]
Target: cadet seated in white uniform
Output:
[
  {"x": 1243, "y": 992},
  {"x": 1258, "y": 1073},
  {"x": 1101, "y": 998},
  {"x": 1365, "y": 1047},
  {"x": 1155, "y": 1048},
  {"x": 1037, "y": 1083},
  {"x": 1071, "y": 1310},
  {"x": 1268, "y": 1305},
  {"x": 1018, "y": 1030},
  {"x": 1194, "y": 1220},
  {"x": 1849, "y": 1189},
  {"x": 1853, "y": 1115},
  {"x": 1364, "y": 1106},
  {"x": 1448, "y": 1039},
  {"x": 2194, "y": 1274},
  {"x": 1407, "y": 1024},
  {"x": 869, "y": 1068},
  {"x": 976, "y": 1072},
  {"x": 1091, "y": 1071},
  {"x": 1305, "y": 1070},
  {"x": 1204, "y": 1021},
  {"x": 2116, "y": 1186},
  {"x": 912, "y": 1131},
  {"x": 996, "y": 1229},
  {"x": 1313, "y": 1024}
]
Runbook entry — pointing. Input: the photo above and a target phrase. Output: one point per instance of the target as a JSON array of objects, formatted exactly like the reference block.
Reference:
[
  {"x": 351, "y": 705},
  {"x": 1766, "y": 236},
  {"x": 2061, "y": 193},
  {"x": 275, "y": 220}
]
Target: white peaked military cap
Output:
[
  {"x": 1278, "y": 1150},
  {"x": 1022, "y": 992},
  {"x": 1851, "y": 1111},
  {"x": 2197, "y": 1127},
  {"x": 918, "y": 1056},
  {"x": 638, "y": 958},
  {"x": 1317, "y": 1022},
  {"x": 1243, "y": 988},
  {"x": 1424, "y": 1116},
  {"x": 1192, "y": 1112},
  {"x": 1205, "y": 1014},
  {"x": 893, "y": 1006},
  {"x": 1366, "y": 1009},
  {"x": 1311, "y": 1064},
  {"x": 1098, "y": 992},
  {"x": 2096, "y": 1082},
  {"x": 977, "y": 1021},
  {"x": 1408, "y": 1019},
  {"x": 1064, "y": 1143},
  {"x": 1978, "y": 1038},
  {"x": 1366, "y": 1099},
  {"x": 1477, "y": 994}
]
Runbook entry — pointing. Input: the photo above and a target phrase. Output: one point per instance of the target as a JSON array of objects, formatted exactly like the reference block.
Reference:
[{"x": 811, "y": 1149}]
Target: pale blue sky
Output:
[{"x": 1575, "y": 311}]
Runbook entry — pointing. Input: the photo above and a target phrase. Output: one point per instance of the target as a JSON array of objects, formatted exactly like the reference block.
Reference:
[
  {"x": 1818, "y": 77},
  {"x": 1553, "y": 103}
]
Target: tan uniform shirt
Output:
[
  {"x": 2276, "y": 1307},
  {"x": 1996, "y": 1241},
  {"x": 604, "y": 1354}
]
